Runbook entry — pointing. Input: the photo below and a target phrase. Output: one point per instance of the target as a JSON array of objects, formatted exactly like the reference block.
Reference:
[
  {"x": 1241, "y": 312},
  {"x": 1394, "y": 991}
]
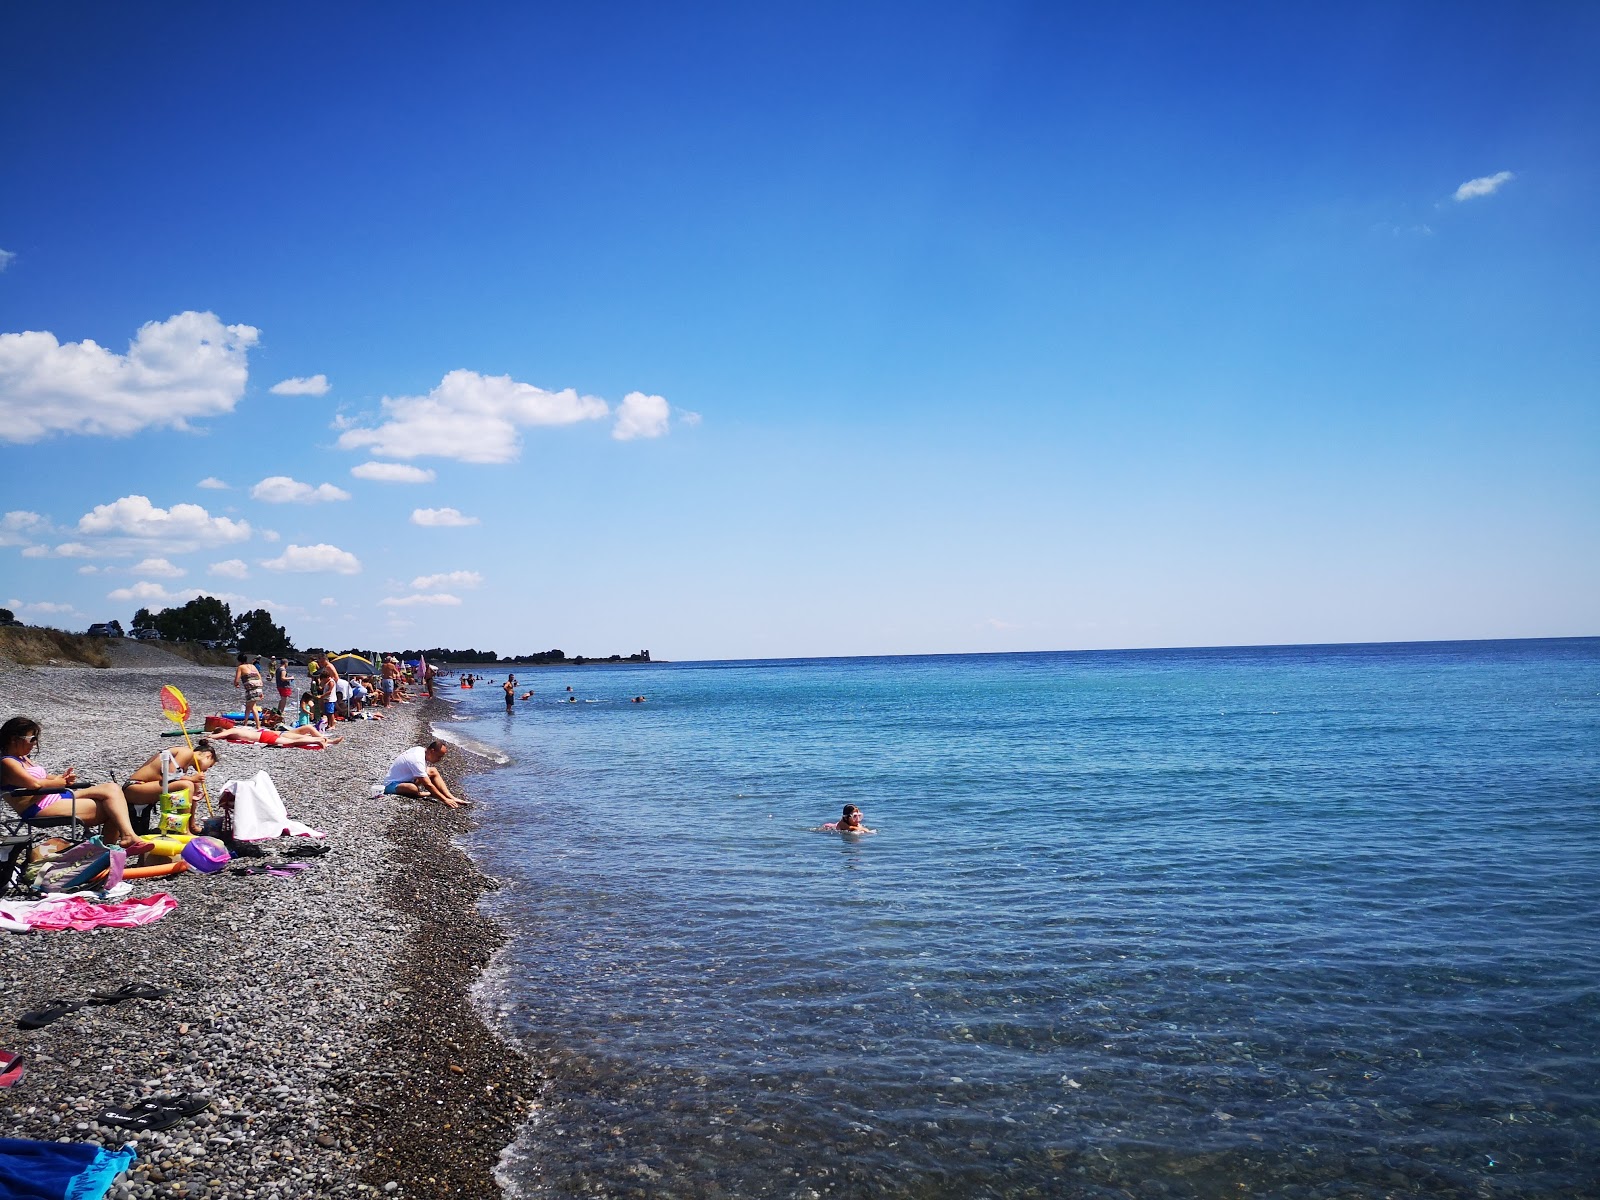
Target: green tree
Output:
[
  {"x": 203, "y": 619},
  {"x": 258, "y": 635}
]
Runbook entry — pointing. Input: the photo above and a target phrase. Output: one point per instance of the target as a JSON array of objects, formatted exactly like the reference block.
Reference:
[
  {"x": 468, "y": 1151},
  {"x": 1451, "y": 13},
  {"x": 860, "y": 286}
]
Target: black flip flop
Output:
[
  {"x": 130, "y": 991},
  {"x": 140, "y": 1117},
  {"x": 189, "y": 1106},
  {"x": 301, "y": 850},
  {"x": 54, "y": 1011}
]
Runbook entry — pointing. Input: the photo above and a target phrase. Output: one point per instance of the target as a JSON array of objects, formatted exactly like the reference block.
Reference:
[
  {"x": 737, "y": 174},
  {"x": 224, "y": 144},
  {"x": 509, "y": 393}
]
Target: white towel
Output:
[{"x": 258, "y": 811}]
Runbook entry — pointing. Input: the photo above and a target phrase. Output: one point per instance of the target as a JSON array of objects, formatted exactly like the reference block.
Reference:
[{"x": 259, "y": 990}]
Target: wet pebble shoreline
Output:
[{"x": 326, "y": 1015}]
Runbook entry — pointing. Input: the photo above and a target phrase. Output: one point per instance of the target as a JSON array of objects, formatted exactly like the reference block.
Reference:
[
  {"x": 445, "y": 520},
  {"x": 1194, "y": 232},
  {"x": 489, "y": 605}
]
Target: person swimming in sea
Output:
[{"x": 849, "y": 822}]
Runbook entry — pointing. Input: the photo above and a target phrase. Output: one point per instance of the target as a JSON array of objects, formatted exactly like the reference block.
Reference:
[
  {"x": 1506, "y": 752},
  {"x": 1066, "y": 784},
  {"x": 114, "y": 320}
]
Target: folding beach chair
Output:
[{"x": 18, "y": 834}]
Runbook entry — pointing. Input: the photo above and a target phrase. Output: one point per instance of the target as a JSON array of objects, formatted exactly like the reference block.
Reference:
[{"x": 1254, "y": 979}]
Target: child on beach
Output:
[{"x": 177, "y": 768}]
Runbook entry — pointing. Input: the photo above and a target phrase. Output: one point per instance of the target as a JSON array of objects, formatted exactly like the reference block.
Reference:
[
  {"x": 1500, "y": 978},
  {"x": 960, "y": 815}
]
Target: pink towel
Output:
[{"x": 74, "y": 912}]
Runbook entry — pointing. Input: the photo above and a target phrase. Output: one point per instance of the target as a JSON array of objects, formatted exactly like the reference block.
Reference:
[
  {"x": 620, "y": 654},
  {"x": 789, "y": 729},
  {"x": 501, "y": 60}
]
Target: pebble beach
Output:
[{"x": 327, "y": 1016}]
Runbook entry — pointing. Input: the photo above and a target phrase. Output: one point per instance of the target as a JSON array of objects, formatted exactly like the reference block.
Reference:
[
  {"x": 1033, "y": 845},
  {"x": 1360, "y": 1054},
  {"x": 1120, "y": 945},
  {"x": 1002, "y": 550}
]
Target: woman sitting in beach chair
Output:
[
  {"x": 172, "y": 769},
  {"x": 34, "y": 794}
]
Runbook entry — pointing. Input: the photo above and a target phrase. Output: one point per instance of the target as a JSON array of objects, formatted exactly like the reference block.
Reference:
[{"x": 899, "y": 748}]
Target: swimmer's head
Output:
[{"x": 850, "y": 810}]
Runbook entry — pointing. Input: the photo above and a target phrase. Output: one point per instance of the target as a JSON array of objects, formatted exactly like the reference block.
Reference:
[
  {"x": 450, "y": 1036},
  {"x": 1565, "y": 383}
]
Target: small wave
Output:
[{"x": 472, "y": 745}]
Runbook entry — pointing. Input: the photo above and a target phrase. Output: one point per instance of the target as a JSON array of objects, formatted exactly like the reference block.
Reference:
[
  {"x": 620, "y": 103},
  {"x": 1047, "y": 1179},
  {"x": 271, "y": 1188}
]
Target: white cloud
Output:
[
  {"x": 280, "y": 489},
  {"x": 6, "y": 256},
  {"x": 686, "y": 417},
  {"x": 271, "y": 535},
  {"x": 145, "y": 592},
  {"x": 470, "y": 417},
  {"x": 384, "y": 472},
  {"x": 321, "y": 557},
  {"x": 88, "y": 569},
  {"x": 45, "y": 607},
  {"x": 641, "y": 416},
  {"x": 212, "y": 483},
  {"x": 328, "y": 602},
  {"x": 19, "y": 527},
  {"x": 158, "y": 567},
  {"x": 190, "y": 365},
  {"x": 317, "y": 385},
  {"x": 131, "y": 524},
  {"x": 1484, "y": 185},
  {"x": 465, "y": 579},
  {"x": 440, "y": 516},
  {"x": 438, "y": 598},
  {"x": 231, "y": 568},
  {"x": 36, "y": 552}
]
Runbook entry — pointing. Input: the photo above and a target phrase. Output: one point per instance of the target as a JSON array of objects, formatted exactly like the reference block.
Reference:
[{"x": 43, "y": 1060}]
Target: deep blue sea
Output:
[{"x": 1295, "y": 921}]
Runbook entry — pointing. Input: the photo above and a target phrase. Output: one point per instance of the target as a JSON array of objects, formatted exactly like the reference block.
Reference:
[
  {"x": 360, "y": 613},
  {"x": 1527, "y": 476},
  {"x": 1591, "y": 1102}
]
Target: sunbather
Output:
[
  {"x": 99, "y": 804},
  {"x": 175, "y": 768},
  {"x": 308, "y": 735}
]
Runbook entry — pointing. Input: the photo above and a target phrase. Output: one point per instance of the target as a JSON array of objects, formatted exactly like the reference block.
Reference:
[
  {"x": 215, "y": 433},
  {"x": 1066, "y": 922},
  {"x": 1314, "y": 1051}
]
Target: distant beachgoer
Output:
[
  {"x": 850, "y": 822},
  {"x": 638, "y": 699},
  {"x": 416, "y": 773},
  {"x": 284, "y": 681},
  {"x": 527, "y": 695},
  {"x": 510, "y": 689},
  {"x": 249, "y": 678},
  {"x": 308, "y": 710},
  {"x": 101, "y": 804}
]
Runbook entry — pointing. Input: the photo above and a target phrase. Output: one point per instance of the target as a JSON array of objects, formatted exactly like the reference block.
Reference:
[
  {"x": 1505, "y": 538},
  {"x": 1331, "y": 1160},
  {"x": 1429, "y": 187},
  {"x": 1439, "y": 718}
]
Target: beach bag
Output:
[
  {"x": 79, "y": 867},
  {"x": 206, "y": 855}
]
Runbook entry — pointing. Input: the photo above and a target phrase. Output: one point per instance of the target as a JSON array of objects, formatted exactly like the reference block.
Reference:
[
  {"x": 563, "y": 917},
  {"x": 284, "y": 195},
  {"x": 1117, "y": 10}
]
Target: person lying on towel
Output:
[{"x": 309, "y": 737}]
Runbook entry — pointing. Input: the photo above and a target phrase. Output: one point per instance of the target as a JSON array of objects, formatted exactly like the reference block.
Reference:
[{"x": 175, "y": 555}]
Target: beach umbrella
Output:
[{"x": 341, "y": 658}]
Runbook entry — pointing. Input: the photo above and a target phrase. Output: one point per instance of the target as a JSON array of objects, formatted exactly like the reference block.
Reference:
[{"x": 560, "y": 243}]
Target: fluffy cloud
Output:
[
  {"x": 88, "y": 569},
  {"x": 438, "y": 598},
  {"x": 280, "y": 489},
  {"x": 46, "y": 607},
  {"x": 321, "y": 557},
  {"x": 19, "y": 527},
  {"x": 190, "y": 365},
  {"x": 128, "y": 525},
  {"x": 230, "y": 568},
  {"x": 470, "y": 417},
  {"x": 146, "y": 592},
  {"x": 641, "y": 416},
  {"x": 158, "y": 567},
  {"x": 5, "y": 258},
  {"x": 465, "y": 579},
  {"x": 383, "y": 472},
  {"x": 317, "y": 385},
  {"x": 212, "y": 483},
  {"x": 688, "y": 418},
  {"x": 440, "y": 517},
  {"x": 1484, "y": 185},
  {"x": 328, "y": 602}
]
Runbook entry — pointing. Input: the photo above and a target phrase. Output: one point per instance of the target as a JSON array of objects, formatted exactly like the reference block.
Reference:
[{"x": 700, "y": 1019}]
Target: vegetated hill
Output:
[{"x": 31, "y": 646}]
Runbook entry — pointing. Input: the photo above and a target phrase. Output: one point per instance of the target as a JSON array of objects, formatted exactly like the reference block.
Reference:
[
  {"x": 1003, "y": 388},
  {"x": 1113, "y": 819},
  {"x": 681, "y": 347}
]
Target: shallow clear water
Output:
[{"x": 1301, "y": 921}]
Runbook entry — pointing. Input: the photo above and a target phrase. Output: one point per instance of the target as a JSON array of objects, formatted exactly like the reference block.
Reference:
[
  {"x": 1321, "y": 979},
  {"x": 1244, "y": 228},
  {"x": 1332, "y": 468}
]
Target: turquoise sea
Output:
[{"x": 1293, "y": 921}]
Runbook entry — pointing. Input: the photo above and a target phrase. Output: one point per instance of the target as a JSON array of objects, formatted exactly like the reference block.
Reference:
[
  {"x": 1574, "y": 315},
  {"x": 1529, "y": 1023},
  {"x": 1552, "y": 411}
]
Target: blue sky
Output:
[{"x": 737, "y": 331}]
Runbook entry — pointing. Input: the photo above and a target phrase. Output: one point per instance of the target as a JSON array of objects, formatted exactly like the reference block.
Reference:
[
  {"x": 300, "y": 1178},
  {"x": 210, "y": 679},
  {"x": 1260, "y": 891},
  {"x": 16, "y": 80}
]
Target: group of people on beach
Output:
[{"x": 330, "y": 696}]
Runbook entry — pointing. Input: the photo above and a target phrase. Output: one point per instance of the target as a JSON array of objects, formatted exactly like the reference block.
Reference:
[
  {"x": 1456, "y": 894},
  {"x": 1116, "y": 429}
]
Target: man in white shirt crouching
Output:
[{"x": 416, "y": 773}]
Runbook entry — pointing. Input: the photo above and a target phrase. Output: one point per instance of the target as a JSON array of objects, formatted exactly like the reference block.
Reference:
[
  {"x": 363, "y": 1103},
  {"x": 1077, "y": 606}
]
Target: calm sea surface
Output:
[{"x": 1311, "y": 921}]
